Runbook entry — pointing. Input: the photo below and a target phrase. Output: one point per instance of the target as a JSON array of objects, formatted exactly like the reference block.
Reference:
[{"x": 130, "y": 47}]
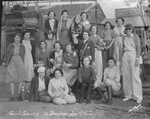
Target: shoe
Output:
[
  {"x": 139, "y": 101},
  {"x": 19, "y": 98},
  {"x": 88, "y": 101},
  {"x": 81, "y": 100},
  {"x": 12, "y": 99},
  {"x": 126, "y": 99}
]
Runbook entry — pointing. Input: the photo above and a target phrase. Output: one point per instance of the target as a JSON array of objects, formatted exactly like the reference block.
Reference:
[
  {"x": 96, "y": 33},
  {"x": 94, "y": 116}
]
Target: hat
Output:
[
  {"x": 41, "y": 69},
  {"x": 128, "y": 26}
]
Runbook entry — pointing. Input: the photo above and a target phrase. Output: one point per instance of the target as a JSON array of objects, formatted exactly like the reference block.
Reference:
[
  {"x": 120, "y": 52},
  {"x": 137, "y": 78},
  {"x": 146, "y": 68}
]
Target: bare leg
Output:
[{"x": 12, "y": 89}]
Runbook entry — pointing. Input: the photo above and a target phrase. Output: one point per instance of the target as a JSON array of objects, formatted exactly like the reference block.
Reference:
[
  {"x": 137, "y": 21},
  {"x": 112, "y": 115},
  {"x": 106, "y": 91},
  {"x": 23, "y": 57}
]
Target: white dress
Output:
[
  {"x": 98, "y": 65},
  {"x": 28, "y": 59}
]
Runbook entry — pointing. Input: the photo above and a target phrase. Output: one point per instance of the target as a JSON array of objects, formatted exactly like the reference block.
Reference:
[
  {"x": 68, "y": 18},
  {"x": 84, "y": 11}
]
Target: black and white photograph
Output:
[{"x": 75, "y": 59}]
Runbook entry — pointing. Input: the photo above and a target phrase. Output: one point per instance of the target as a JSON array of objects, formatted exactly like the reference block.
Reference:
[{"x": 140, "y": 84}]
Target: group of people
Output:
[{"x": 74, "y": 59}]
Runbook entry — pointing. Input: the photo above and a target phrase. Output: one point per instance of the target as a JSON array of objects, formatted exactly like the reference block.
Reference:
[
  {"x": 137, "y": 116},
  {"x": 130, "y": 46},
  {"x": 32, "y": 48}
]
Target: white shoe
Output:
[
  {"x": 126, "y": 99},
  {"x": 139, "y": 101}
]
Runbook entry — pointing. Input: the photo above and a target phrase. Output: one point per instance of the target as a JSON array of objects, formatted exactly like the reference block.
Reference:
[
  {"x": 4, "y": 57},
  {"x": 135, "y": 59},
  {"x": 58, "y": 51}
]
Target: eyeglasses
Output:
[{"x": 128, "y": 29}]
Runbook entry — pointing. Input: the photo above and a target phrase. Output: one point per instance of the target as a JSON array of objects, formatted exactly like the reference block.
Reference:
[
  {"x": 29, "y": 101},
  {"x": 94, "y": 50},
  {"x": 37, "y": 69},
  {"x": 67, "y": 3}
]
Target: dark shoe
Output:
[
  {"x": 99, "y": 92},
  {"x": 109, "y": 102},
  {"x": 19, "y": 98},
  {"x": 88, "y": 101},
  {"x": 109, "y": 93},
  {"x": 12, "y": 99},
  {"x": 81, "y": 100}
]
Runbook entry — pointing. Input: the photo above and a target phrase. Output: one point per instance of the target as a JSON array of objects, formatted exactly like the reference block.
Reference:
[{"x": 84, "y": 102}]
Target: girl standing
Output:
[
  {"x": 84, "y": 21},
  {"x": 98, "y": 54},
  {"x": 16, "y": 69},
  {"x": 130, "y": 66},
  {"x": 118, "y": 35},
  {"x": 63, "y": 34},
  {"x": 86, "y": 76},
  {"x": 107, "y": 36},
  {"x": 42, "y": 55},
  {"x": 28, "y": 59}
]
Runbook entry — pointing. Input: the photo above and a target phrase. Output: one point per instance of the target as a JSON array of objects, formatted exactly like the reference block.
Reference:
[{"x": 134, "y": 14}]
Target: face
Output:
[
  {"x": 85, "y": 35},
  {"x": 65, "y": 16},
  {"x": 57, "y": 46},
  {"x": 68, "y": 48},
  {"x": 119, "y": 22},
  {"x": 41, "y": 74},
  {"x": 50, "y": 36},
  {"x": 94, "y": 29},
  {"x": 27, "y": 36},
  {"x": 107, "y": 26},
  {"x": 86, "y": 61},
  {"x": 42, "y": 45},
  {"x": 128, "y": 31},
  {"x": 111, "y": 63},
  {"x": 77, "y": 20},
  {"x": 17, "y": 39},
  {"x": 83, "y": 16},
  {"x": 51, "y": 15},
  {"x": 57, "y": 74}
]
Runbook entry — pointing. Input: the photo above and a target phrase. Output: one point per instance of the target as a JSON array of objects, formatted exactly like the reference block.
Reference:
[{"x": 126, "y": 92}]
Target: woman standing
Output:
[
  {"x": 130, "y": 66},
  {"x": 63, "y": 34},
  {"x": 98, "y": 54},
  {"x": 51, "y": 24},
  {"x": 118, "y": 35},
  {"x": 16, "y": 69},
  {"x": 70, "y": 65},
  {"x": 84, "y": 21},
  {"x": 107, "y": 36},
  {"x": 28, "y": 59},
  {"x": 58, "y": 89}
]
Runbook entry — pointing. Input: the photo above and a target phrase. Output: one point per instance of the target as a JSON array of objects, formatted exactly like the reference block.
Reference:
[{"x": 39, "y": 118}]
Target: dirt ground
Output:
[{"x": 37, "y": 110}]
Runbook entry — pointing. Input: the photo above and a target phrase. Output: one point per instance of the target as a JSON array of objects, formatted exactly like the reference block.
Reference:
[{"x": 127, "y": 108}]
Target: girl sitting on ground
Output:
[
  {"x": 111, "y": 82},
  {"x": 58, "y": 89}
]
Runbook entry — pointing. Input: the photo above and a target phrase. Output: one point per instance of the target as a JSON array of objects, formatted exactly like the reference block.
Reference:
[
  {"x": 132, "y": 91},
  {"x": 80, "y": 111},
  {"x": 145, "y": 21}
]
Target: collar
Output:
[
  {"x": 52, "y": 20},
  {"x": 42, "y": 79},
  {"x": 86, "y": 22},
  {"x": 132, "y": 36}
]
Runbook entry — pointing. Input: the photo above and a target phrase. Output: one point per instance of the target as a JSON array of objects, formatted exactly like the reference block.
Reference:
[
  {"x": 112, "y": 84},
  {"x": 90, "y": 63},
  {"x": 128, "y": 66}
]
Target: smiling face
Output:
[
  {"x": 17, "y": 39},
  {"x": 57, "y": 46},
  {"x": 77, "y": 19},
  {"x": 107, "y": 26},
  {"x": 85, "y": 35},
  {"x": 86, "y": 61},
  {"x": 94, "y": 29},
  {"x": 111, "y": 63},
  {"x": 83, "y": 17},
  {"x": 68, "y": 48},
  {"x": 65, "y": 16},
  {"x": 119, "y": 22},
  {"x": 27, "y": 36},
  {"x": 57, "y": 74},
  {"x": 128, "y": 31},
  {"x": 51, "y": 15},
  {"x": 43, "y": 45},
  {"x": 41, "y": 74}
]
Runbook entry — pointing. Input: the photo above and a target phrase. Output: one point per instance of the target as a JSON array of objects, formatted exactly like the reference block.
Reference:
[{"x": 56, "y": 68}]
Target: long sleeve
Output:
[
  {"x": 76, "y": 62},
  {"x": 80, "y": 74},
  {"x": 93, "y": 51},
  {"x": 105, "y": 74},
  {"x": 93, "y": 73},
  {"x": 66, "y": 87},
  {"x": 32, "y": 88},
  {"x": 138, "y": 47},
  {"x": 50, "y": 88},
  {"x": 117, "y": 75}
]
